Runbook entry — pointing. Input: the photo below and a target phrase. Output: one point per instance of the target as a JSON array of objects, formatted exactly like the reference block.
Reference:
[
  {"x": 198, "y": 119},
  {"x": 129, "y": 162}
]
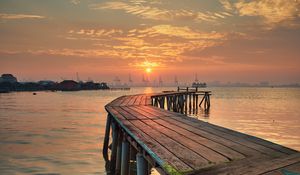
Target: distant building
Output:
[
  {"x": 46, "y": 82},
  {"x": 8, "y": 78},
  {"x": 103, "y": 86},
  {"x": 69, "y": 85}
]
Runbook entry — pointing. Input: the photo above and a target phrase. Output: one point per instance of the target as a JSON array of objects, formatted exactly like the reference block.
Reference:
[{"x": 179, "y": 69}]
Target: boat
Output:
[{"x": 197, "y": 84}]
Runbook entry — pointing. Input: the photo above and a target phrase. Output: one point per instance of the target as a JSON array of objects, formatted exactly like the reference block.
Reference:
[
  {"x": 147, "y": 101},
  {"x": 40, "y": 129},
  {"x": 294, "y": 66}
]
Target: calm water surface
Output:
[{"x": 62, "y": 132}]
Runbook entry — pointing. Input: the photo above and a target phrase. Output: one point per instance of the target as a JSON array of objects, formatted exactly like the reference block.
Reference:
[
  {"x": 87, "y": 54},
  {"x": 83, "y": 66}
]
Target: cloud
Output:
[
  {"x": 182, "y": 32},
  {"x": 272, "y": 12},
  {"x": 226, "y": 4},
  {"x": 20, "y": 16},
  {"x": 147, "y": 64},
  {"x": 159, "y": 42},
  {"x": 97, "y": 33},
  {"x": 75, "y": 2},
  {"x": 147, "y": 10}
]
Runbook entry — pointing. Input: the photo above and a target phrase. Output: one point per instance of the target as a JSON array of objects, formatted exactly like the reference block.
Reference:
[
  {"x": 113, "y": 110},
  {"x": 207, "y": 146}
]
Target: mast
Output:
[{"x": 176, "y": 80}]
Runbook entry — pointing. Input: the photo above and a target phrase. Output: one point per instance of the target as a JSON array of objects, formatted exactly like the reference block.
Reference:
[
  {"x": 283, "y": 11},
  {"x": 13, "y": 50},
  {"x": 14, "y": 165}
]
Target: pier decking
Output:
[{"x": 153, "y": 130}]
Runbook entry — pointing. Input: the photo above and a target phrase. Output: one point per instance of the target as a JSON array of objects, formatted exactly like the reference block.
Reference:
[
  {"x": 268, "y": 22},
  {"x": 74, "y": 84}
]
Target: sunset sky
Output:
[{"x": 241, "y": 40}]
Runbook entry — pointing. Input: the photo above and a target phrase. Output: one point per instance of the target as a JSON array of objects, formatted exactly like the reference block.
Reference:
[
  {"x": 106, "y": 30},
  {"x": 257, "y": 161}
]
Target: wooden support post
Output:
[
  {"x": 133, "y": 153},
  {"x": 185, "y": 103},
  {"x": 106, "y": 138},
  {"x": 170, "y": 103},
  {"x": 114, "y": 148},
  {"x": 182, "y": 103},
  {"x": 205, "y": 101},
  {"x": 174, "y": 103},
  {"x": 125, "y": 157},
  {"x": 194, "y": 100},
  {"x": 197, "y": 103},
  {"x": 162, "y": 102},
  {"x": 141, "y": 165},
  {"x": 119, "y": 153},
  {"x": 208, "y": 100},
  {"x": 202, "y": 100},
  {"x": 149, "y": 168},
  {"x": 190, "y": 103}
]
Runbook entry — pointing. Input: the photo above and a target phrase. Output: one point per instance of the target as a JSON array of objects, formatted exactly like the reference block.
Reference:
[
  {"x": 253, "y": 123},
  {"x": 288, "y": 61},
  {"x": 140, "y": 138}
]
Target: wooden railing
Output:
[{"x": 185, "y": 100}]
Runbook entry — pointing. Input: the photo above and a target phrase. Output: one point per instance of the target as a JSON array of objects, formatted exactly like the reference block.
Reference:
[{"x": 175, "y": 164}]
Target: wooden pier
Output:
[{"x": 153, "y": 131}]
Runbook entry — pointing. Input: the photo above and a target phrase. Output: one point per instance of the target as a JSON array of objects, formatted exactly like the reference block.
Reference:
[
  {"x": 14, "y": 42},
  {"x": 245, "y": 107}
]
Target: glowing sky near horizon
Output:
[{"x": 240, "y": 40}]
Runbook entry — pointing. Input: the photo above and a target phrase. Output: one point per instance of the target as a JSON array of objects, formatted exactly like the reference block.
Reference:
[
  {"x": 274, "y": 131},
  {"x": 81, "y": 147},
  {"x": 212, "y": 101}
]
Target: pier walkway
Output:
[{"x": 153, "y": 131}]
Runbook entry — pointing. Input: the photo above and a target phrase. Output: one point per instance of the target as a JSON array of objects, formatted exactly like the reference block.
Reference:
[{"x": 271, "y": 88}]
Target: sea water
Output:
[{"x": 62, "y": 132}]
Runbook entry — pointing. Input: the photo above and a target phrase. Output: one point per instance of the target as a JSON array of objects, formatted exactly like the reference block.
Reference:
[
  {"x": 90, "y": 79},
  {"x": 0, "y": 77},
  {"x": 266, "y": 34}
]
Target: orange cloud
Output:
[
  {"x": 272, "y": 12},
  {"x": 19, "y": 16},
  {"x": 144, "y": 10},
  {"x": 160, "y": 42}
]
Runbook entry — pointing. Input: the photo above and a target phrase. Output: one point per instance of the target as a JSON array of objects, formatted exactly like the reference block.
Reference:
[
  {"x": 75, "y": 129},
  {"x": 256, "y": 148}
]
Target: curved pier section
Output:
[{"x": 153, "y": 131}]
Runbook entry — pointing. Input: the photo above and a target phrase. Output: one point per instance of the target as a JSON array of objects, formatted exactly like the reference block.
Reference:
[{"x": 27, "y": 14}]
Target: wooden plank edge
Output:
[{"x": 164, "y": 165}]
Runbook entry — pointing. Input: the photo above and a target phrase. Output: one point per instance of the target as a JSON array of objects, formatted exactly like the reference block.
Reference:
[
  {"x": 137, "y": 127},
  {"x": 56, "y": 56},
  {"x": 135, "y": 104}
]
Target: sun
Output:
[{"x": 148, "y": 70}]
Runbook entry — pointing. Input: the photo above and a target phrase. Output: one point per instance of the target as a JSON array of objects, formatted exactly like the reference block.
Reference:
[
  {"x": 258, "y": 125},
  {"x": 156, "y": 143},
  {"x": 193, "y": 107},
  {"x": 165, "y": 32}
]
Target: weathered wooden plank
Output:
[
  {"x": 148, "y": 101},
  {"x": 196, "y": 146},
  {"x": 230, "y": 149},
  {"x": 125, "y": 114},
  {"x": 186, "y": 155},
  {"x": 201, "y": 150},
  {"x": 254, "y": 166},
  {"x": 141, "y": 112},
  {"x": 292, "y": 169},
  {"x": 228, "y": 136},
  {"x": 167, "y": 157},
  {"x": 128, "y": 111},
  {"x": 160, "y": 150},
  {"x": 261, "y": 148},
  {"x": 257, "y": 140},
  {"x": 111, "y": 110},
  {"x": 215, "y": 146},
  {"x": 132, "y": 100},
  {"x": 125, "y": 101},
  {"x": 117, "y": 101},
  {"x": 138, "y": 100}
]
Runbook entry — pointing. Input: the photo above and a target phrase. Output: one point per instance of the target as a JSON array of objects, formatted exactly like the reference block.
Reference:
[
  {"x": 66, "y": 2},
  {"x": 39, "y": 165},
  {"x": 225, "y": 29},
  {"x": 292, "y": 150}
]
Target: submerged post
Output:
[
  {"x": 125, "y": 157},
  {"x": 119, "y": 154},
  {"x": 133, "y": 153},
  {"x": 114, "y": 148}
]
